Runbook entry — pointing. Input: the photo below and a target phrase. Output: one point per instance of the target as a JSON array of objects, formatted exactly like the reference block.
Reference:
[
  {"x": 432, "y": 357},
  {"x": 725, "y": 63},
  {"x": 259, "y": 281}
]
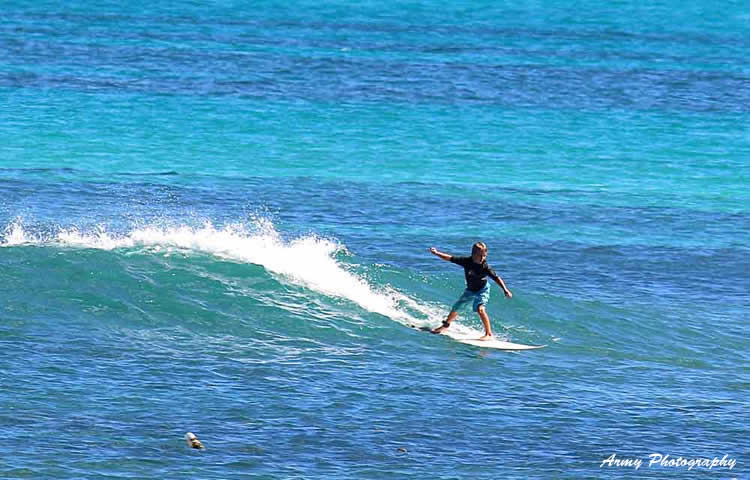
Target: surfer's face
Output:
[{"x": 479, "y": 256}]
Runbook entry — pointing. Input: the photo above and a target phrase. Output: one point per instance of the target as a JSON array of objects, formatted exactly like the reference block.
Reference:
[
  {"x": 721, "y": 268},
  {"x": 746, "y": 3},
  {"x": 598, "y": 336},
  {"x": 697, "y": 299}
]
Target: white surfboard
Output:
[
  {"x": 498, "y": 344},
  {"x": 495, "y": 343}
]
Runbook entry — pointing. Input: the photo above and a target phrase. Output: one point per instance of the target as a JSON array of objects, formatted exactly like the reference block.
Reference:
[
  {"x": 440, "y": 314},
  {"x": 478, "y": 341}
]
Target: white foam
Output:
[{"x": 14, "y": 234}]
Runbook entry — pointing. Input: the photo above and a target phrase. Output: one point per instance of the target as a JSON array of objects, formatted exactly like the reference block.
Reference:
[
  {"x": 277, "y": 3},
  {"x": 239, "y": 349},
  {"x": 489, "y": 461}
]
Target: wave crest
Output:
[{"x": 310, "y": 261}]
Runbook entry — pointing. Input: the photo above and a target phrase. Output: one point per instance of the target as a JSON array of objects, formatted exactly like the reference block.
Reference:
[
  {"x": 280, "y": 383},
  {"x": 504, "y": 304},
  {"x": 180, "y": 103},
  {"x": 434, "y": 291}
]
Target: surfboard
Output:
[{"x": 496, "y": 344}]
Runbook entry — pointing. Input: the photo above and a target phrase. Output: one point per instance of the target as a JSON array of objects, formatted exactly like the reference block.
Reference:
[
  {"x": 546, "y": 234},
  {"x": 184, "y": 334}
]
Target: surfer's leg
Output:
[
  {"x": 446, "y": 322},
  {"x": 480, "y": 300},
  {"x": 486, "y": 322},
  {"x": 466, "y": 297}
]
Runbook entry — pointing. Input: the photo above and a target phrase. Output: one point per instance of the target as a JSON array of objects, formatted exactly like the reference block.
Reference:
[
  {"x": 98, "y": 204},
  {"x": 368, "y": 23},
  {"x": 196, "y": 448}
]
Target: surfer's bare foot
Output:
[
  {"x": 439, "y": 329},
  {"x": 487, "y": 337}
]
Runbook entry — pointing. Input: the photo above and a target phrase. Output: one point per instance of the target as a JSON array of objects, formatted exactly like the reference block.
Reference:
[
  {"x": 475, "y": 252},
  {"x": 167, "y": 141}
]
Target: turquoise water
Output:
[{"x": 216, "y": 218}]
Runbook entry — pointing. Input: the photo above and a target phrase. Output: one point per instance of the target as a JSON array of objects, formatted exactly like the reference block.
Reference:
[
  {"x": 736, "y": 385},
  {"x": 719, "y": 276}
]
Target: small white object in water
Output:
[{"x": 193, "y": 441}]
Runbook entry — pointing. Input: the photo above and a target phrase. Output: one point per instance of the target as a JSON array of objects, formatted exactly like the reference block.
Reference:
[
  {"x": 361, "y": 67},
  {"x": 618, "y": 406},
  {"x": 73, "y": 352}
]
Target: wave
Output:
[
  {"x": 163, "y": 273},
  {"x": 167, "y": 273},
  {"x": 322, "y": 265}
]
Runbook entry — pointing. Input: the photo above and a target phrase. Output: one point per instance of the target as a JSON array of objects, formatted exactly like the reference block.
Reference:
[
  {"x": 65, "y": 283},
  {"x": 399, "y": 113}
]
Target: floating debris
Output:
[{"x": 193, "y": 441}]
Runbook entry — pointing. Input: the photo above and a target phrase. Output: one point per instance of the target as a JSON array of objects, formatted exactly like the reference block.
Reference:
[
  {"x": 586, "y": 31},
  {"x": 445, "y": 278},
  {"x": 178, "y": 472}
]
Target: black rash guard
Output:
[{"x": 476, "y": 274}]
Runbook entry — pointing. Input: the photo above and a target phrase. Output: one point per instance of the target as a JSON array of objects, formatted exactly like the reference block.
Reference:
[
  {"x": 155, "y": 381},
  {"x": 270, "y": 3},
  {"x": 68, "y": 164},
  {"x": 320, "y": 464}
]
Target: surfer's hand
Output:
[
  {"x": 508, "y": 294},
  {"x": 433, "y": 251}
]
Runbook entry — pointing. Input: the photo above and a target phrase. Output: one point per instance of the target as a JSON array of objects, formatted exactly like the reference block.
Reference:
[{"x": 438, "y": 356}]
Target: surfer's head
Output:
[{"x": 479, "y": 252}]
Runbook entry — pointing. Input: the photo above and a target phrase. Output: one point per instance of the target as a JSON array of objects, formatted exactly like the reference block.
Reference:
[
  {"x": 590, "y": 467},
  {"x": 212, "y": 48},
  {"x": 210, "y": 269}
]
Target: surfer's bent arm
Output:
[
  {"x": 500, "y": 282},
  {"x": 442, "y": 255}
]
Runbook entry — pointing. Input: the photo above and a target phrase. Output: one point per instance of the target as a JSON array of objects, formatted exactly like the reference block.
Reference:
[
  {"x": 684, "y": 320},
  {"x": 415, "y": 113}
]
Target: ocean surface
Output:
[{"x": 215, "y": 218}]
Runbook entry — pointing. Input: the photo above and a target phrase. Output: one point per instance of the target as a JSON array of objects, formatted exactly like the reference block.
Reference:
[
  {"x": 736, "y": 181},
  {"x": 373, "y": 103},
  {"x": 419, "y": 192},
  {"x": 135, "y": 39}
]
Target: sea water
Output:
[{"x": 215, "y": 218}]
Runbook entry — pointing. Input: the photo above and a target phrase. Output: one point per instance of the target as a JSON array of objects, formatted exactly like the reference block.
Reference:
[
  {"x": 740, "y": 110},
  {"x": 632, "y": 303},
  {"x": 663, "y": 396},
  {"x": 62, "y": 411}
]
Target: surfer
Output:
[{"x": 476, "y": 271}]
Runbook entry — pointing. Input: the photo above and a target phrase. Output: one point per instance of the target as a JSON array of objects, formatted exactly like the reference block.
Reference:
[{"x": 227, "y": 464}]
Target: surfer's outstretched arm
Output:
[
  {"x": 500, "y": 282},
  {"x": 442, "y": 255}
]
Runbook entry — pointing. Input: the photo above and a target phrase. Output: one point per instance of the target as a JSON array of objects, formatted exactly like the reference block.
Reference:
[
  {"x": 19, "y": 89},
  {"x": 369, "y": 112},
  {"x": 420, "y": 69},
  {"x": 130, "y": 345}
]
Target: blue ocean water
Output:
[{"x": 215, "y": 218}]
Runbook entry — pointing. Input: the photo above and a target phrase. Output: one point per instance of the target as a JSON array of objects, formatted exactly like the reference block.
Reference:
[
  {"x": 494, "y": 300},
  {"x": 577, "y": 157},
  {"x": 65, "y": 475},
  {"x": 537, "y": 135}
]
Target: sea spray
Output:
[{"x": 14, "y": 234}]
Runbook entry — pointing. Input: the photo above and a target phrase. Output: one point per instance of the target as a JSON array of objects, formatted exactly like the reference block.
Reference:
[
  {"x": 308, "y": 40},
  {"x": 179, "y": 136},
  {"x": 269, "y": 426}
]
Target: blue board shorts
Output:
[{"x": 480, "y": 297}]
